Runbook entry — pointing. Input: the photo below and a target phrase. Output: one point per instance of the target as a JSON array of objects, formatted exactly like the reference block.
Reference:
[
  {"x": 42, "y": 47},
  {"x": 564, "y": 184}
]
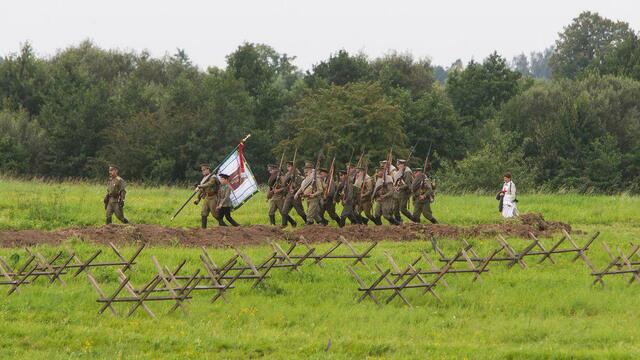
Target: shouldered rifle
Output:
[{"x": 330, "y": 183}]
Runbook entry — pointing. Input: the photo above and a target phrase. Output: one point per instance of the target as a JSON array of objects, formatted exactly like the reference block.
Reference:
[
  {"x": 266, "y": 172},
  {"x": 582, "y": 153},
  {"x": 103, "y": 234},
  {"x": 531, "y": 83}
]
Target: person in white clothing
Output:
[{"x": 508, "y": 197}]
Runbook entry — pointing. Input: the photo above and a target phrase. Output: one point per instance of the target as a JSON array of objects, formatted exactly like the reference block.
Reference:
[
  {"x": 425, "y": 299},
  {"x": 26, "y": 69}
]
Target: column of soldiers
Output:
[
  {"x": 364, "y": 198},
  {"x": 385, "y": 195}
]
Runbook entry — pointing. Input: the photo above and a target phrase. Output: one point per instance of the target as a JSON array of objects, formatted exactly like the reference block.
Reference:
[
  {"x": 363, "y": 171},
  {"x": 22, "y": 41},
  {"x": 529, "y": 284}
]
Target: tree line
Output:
[{"x": 565, "y": 118}]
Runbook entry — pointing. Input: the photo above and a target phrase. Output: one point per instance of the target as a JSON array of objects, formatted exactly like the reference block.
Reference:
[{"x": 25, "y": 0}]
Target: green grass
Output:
[
  {"x": 545, "y": 311},
  {"x": 40, "y": 205}
]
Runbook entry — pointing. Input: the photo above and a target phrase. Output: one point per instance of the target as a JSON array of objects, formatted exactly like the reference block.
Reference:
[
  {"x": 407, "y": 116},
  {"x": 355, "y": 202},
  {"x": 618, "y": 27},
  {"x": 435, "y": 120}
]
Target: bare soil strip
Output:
[{"x": 261, "y": 234}]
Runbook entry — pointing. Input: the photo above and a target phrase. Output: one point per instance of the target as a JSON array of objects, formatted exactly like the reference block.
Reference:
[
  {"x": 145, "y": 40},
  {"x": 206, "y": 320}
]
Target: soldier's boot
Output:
[
  {"x": 406, "y": 213},
  {"x": 398, "y": 218},
  {"x": 354, "y": 219},
  {"x": 324, "y": 221},
  {"x": 233, "y": 222},
  {"x": 125, "y": 221},
  {"x": 377, "y": 220},
  {"x": 342, "y": 221},
  {"x": 304, "y": 218},
  {"x": 109, "y": 220},
  {"x": 203, "y": 222},
  {"x": 291, "y": 221},
  {"x": 221, "y": 221},
  {"x": 272, "y": 220},
  {"x": 433, "y": 220}
]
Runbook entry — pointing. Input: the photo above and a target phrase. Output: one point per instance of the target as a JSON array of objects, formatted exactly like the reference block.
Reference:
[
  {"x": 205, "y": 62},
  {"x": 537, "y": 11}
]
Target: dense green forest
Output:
[{"x": 566, "y": 118}]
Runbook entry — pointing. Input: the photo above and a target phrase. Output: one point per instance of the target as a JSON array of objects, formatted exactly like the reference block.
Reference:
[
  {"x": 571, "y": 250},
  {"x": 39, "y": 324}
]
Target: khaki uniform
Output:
[
  {"x": 293, "y": 182},
  {"x": 383, "y": 195},
  {"x": 114, "y": 200},
  {"x": 329, "y": 202},
  {"x": 346, "y": 192},
  {"x": 224, "y": 201},
  {"x": 209, "y": 196},
  {"x": 422, "y": 198},
  {"x": 276, "y": 196},
  {"x": 312, "y": 191},
  {"x": 363, "y": 196},
  {"x": 403, "y": 185}
]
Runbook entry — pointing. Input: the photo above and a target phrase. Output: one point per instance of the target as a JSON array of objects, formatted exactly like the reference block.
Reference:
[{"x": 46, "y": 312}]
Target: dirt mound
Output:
[
  {"x": 537, "y": 221},
  {"x": 260, "y": 234}
]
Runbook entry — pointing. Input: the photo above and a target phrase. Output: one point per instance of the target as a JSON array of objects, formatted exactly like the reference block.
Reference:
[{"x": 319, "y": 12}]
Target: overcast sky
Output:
[{"x": 310, "y": 30}]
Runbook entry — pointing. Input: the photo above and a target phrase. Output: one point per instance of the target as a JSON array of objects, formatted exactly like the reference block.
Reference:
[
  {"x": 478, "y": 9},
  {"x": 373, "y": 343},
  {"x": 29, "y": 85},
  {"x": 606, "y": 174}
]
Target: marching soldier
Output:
[
  {"x": 422, "y": 197},
  {"x": 292, "y": 180},
  {"x": 114, "y": 200},
  {"x": 403, "y": 179},
  {"x": 364, "y": 187},
  {"x": 208, "y": 193},
  {"x": 312, "y": 189},
  {"x": 328, "y": 198},
  {"x": 383, "y": 193},
  {"x": 223, "y": 209},
  {"x": 346, "y": 193},
  {"x": 276, "y": 194}
]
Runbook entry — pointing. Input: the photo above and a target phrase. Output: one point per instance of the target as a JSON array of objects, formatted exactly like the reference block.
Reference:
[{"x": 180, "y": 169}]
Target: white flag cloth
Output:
[{"x": 243, "y": 183}]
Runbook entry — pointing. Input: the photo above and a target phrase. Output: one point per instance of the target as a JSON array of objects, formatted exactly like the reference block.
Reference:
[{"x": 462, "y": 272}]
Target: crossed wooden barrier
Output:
[
  {"x": 178, "y": 286},
  {"x": 37, "y": 265}
]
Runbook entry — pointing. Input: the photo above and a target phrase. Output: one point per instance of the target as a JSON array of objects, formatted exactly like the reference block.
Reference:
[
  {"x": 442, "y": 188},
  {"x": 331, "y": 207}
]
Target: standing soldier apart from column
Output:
[
  {"x": 422, "y": 197},
  {"x": 403, "y": 179},
  {"x": 208, "y": 194},
  {"x": 329, "y": 198},
  {"x": 276, "y": 194},
  {"x": 292, "y": 180},
  {"x": 364, "y": 187},
  {"x": 383, "y": 193},
  {"x": 114, "y": 200},
  {"x": 346, "y": 193},
  {"x": 312, "y": 189},
  {"x": 223, "y": 209}
]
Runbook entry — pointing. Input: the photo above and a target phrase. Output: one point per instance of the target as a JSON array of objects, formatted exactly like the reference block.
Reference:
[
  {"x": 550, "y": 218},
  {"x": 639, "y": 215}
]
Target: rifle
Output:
[
  {"x": 326, "y": 191},
  {"x": 213, "y": 173},
  {"x": 273, "y": 186},
  {"x": 293, "y": 174}
]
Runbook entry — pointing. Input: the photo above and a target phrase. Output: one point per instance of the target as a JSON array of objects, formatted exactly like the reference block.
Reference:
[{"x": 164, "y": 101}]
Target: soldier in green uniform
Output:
[
  {"x": 311, "y": 190},
  {"x": 208, "y": 194},
  {"x": 364, "y": 187},
  {"x": 114, "y": 200},
  {"x": 346, "y": 193},
  {"x": 383, "y": 193},
  {"x": 402, "y": 180},
  {"x": 292, "y": 181},
  {"x": 422, "y": 197},
  {"x": 328, "y": 198},
  {"x": 223, "y": 209},
  {"x": 275, "y": 196}
]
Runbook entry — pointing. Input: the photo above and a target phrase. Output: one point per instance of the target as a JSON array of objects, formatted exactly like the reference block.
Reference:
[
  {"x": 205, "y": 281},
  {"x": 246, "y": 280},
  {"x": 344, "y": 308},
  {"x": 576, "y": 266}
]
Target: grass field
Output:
[
  {"x": 41, "y": 205},
  {"x": 545, "y": 311}
]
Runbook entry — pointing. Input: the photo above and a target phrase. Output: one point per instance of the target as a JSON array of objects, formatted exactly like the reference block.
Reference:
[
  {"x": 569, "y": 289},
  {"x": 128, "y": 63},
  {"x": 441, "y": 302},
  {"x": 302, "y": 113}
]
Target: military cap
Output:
[
  {"x": 224, "y": 176},
  {"x": 272, "y": 166},
  {"x": 402, "y": 161},
  {"x": 205, "y": 166},
  {"x": 324, "y": 170},
  {"x": 383, "y": 162},
  {"x": 342, "y": 172},
  {"x": 360, "y": 168},
  {"x": 289, "y": 163},
  {"x": 381, "y": 168},
  {"x": 112, "y": 166},
  {"x": 308, "y": 165}
]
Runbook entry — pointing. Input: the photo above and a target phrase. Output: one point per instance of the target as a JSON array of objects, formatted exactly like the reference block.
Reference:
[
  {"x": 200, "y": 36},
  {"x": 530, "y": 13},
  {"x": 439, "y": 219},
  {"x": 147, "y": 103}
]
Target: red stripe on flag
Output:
[{"x": 240, "y": 147}]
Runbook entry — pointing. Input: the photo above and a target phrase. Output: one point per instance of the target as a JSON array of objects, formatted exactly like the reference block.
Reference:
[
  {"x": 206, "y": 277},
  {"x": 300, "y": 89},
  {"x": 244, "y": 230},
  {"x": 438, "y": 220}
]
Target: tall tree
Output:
[{"x": 586, "y": 42}]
